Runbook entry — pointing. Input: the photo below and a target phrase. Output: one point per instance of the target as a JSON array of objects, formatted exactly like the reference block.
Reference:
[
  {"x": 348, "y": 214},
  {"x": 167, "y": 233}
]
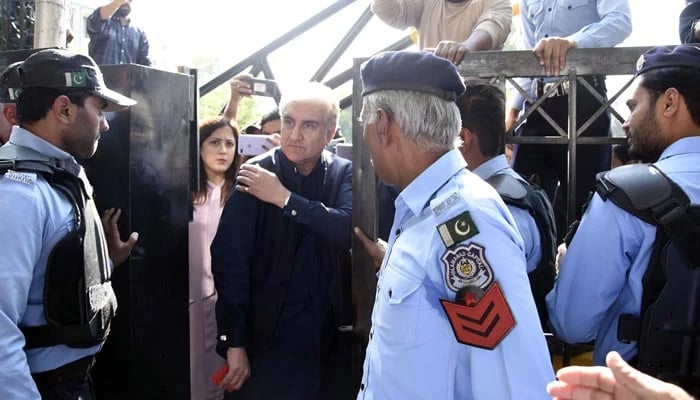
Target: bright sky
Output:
[{"x": 224, "y": 32}]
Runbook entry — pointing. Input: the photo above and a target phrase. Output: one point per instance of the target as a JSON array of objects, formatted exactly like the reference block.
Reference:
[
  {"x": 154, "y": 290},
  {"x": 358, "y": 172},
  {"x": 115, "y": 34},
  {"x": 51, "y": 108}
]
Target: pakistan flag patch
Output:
[{"x": 458, "y": 229}]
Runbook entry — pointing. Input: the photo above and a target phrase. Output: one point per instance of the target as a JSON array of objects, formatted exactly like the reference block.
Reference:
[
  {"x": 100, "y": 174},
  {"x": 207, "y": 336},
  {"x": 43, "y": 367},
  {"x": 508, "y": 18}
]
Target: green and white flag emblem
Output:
[
  {"x": 76, "y": 79},
  {"x": 14, "y": 93}
]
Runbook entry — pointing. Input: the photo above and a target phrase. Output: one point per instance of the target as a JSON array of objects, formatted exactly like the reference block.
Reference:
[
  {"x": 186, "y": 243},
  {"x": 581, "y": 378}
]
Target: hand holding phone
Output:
[{"x": 262, "y": 87}]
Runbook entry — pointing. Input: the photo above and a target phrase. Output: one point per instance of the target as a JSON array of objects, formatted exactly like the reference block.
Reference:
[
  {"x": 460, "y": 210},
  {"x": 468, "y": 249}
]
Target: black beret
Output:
[
  {"x": 412, "y": 70},
  {"x": 685, "y": 56},
  {"x": 61, "y": 69}
]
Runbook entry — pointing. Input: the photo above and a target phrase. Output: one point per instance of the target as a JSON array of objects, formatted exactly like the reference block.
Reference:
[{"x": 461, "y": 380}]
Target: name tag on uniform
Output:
[{"x": 24, "y": 177}]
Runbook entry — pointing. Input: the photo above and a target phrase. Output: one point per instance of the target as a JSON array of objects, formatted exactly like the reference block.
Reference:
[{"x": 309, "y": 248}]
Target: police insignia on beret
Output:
[
  {"x": 417, "y": 71},
  {"x": 683, "y": 56},
  {"x": 466, "y": 265},
  {"x": 640, "y": 62}
]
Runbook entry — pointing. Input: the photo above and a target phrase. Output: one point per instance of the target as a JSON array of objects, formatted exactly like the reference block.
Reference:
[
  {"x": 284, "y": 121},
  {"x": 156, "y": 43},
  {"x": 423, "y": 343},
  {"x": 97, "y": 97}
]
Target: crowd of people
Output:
[{"x": 468, "y": 278}]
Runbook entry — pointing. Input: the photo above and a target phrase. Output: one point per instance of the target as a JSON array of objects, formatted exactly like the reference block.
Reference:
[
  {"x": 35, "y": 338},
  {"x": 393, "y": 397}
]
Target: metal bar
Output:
[
  {"x": 581, "y": 140},
  {"x": 364, "y": 215},
  {"x": 601, "y": 99},
  {"x": 608, "y": 104},
  {"x": 256, "y": 69},
  {"x": 265, "y": 67},
  {"x": 345, "y": 42},
  {"x": 346, "y": 75},
  {"x": 571, "y": 181},
  {"x": 346, "y": 102},
  {"x": 536, "y": 107},
  {"x": 274, "y": 45},
  {"x": 589, "y": 61}
]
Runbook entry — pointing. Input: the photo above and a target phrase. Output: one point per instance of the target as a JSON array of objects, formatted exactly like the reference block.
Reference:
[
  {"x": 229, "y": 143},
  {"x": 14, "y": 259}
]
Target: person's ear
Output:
[
  {"x": 467, "y": 137},
  {"x": 671, "y": 101},
  {"x": 383, "y": 124},
  {"x": 61, "y": 108},
  {"x": 10, "y": 113}
]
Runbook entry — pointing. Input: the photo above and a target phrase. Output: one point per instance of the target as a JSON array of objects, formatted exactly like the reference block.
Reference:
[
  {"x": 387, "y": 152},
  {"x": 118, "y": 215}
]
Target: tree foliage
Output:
[{"x": 17, "y": 24}]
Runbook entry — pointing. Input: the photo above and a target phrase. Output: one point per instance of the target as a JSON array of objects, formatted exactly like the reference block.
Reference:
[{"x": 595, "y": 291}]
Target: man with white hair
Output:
[
  {"x": 275, "y": 257},
  {"x": 453, "y": 316}
]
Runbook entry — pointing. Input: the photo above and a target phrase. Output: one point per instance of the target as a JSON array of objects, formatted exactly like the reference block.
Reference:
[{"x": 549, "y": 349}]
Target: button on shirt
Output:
[
  {"x": 589, "y": 23},
  {"x": 523, "y": 220},
  {"x": 34, "y": 218},
  {"x": 601, "y": 276},
  {"x": 412, "y": 352}
]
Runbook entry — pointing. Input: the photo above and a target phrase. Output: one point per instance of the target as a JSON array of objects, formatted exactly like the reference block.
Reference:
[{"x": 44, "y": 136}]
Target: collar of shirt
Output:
[
  {"x": 419, "y": 192},
  {"x": 682, "y": 146},
  {"x": 491, "y": 167},
  {"x": 23, "y": 137}
]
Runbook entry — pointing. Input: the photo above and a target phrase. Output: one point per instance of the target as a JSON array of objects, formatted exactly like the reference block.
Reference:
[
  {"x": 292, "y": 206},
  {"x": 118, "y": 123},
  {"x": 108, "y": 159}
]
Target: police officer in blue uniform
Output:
[
  {"x": 54, "y": 250},
  {"x": 481, "y": 109},
  {"x": 453, "y": 316},
  {"x": 600, "y": 278},
  {"x": 551, "y": 28}
]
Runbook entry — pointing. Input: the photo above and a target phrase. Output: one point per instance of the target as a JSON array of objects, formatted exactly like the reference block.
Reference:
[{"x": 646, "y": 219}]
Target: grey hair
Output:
[
  {"x": 313, "y": 91},
  {"x": 429, "y": 121}
]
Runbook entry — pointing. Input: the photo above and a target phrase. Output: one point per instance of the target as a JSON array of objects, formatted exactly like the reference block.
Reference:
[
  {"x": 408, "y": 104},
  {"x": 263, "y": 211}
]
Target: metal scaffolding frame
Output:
[{"x": 259, "y": 60}]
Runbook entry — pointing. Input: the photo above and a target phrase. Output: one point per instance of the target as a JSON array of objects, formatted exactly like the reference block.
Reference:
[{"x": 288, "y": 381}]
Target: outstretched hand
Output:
[
  {"x": 118, "y": 250},
  {"x": 619, "y": 381}
]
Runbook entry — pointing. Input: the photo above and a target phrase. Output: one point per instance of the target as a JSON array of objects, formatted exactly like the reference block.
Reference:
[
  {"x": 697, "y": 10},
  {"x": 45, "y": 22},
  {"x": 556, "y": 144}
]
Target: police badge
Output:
[
  {"x": 466, "y": 265},
  {"x": 640, "y": 62}
]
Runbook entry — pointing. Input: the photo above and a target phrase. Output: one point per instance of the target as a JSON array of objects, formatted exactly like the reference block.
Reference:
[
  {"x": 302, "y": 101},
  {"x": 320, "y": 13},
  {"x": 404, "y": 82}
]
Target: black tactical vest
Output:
[
  {"x": 534, "y": 200},
  {"x": 79, "y": 302},
  {"x": 667, "y": 329}
]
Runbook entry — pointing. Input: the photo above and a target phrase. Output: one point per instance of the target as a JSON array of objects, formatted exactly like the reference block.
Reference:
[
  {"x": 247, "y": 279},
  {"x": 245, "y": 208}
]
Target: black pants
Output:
[
  {"x": 295, "y": 364},
  {"x": 69, "y": 389},
  {"x": 548, "y": 163},
  {"x": 69, "y": 382}
]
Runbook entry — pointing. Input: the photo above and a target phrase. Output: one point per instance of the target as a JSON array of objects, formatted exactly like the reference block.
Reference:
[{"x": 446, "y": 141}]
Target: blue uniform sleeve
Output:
[
  {"x": 530, "y": 234},
  {"x": 593, "y": 274},
  {"x": 231, "y": 256},
  {"x": 21, "y": 241},
  {"x": 614, "y": 26},
  {"x": 519, "y": 366},
  {"x": 333, "y": 224}
]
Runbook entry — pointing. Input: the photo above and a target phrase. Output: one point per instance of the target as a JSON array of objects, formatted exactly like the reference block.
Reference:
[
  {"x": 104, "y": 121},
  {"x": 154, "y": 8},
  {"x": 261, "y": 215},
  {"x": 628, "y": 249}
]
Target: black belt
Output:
[
  {"x": 73, "y": 371},
  {"x": 541, "y": 87}
]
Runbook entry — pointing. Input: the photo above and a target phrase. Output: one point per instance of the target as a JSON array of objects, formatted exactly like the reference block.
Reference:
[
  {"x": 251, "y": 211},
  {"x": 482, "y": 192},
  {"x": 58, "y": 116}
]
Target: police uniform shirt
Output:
[
  {"x": 412, "y": 351},
  {"x": 601, "y": 276},
  {"x": 589, "y": 23},
  {"x": 523, "y": 220},
  {"x": 34, "y": 218}
]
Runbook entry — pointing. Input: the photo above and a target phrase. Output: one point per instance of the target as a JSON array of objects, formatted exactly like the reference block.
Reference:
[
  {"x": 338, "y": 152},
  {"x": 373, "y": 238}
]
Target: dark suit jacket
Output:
[{"x": 258, "y": 248}]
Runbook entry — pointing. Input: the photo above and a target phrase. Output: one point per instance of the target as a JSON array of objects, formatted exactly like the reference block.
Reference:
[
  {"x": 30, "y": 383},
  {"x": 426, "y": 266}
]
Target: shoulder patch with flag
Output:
[
  {"x": 482, "y": 319},
  {"x": 458, "y": 229}
]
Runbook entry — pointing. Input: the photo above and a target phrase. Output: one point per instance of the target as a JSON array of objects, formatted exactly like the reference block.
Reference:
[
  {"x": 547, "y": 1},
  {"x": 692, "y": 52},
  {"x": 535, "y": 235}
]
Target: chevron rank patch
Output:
[
  {"x": 458, "y": 229},
  {"x": 466, "y": 265},
  {"x": 484, "y": 322}
]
